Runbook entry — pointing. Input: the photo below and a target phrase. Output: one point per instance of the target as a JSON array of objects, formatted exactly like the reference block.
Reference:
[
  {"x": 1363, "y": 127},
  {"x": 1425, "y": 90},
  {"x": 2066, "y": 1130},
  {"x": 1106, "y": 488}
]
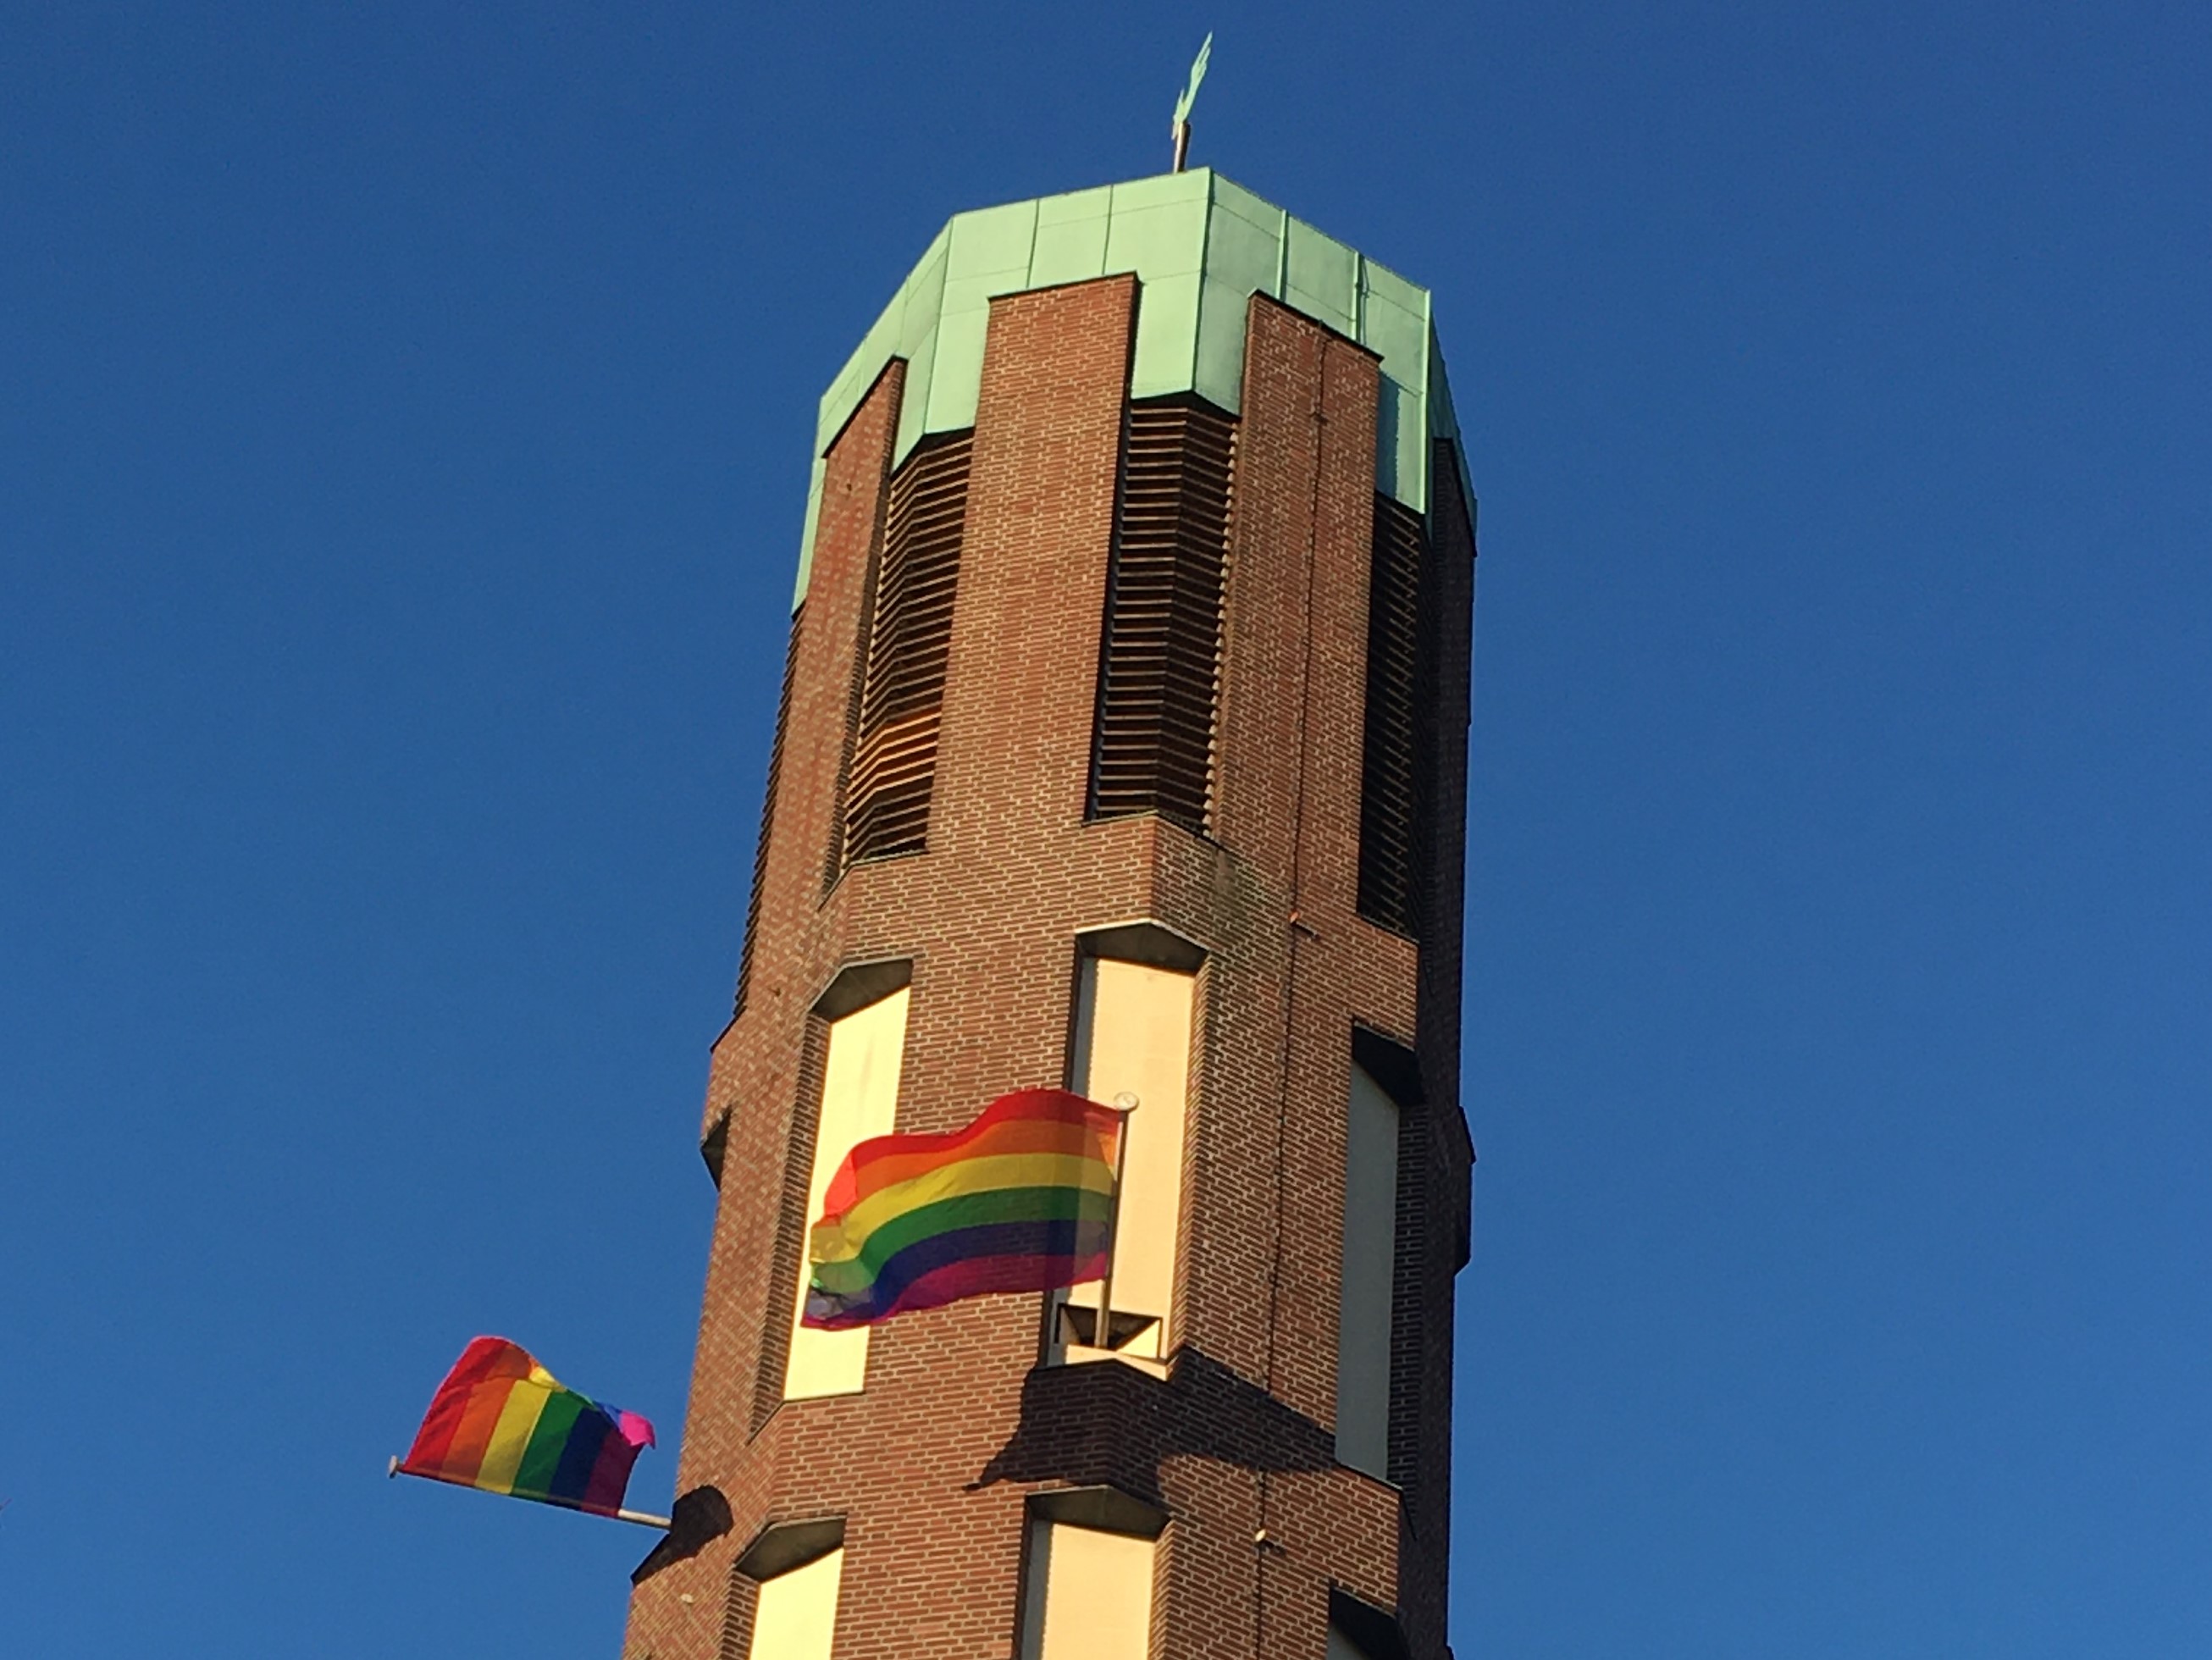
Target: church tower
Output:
[{"x": 1122, "y": 748}]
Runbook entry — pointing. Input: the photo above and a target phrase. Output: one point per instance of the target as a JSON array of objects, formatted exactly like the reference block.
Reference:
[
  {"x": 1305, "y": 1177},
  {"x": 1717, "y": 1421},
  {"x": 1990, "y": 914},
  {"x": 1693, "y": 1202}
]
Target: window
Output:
[
  {"x": 1133, "y": 1034},
  {"x": 1087, "y": 1595},
  {"x": 1369, "y": 1279},
  {"x": 860, "y": 1098},
  {"x": 795, "y": 1612},
  {"x": 1360, "y": 1631}
]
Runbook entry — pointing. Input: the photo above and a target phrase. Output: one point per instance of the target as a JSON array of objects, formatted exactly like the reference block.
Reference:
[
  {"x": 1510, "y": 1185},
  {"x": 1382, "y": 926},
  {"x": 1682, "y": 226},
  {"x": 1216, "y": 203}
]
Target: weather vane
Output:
[{"x": 1189, "y": 97}]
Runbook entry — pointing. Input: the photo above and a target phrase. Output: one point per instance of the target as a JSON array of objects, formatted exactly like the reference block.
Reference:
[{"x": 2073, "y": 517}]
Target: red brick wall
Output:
[{"x": 932, "y": 1464}]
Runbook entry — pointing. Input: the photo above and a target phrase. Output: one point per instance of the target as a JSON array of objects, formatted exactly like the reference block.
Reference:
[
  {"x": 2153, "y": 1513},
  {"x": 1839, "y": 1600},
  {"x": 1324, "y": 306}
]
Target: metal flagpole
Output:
[
  {"x": 1102, "y": 1334},
  {"x": 391, "y": 1469}
]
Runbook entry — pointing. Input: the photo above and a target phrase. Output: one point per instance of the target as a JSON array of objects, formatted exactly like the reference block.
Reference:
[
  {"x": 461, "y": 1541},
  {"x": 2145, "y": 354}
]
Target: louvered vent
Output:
[
  {"x": 1392, "y": 805},
  {"x": 894, "y": 748},
  {"x": 768, "y": 810},
  {"x": 1160, "y": 668}
]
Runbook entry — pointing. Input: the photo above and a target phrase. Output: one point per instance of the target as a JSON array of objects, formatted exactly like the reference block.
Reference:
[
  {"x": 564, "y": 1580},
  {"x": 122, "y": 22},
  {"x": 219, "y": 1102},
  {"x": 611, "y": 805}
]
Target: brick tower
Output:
[{"x": 1122, "y": 747}]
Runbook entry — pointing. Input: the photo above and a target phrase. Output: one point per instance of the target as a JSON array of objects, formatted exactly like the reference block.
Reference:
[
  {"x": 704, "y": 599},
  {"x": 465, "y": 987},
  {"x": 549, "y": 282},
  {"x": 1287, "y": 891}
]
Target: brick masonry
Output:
[{"x": 931, "y": 1467}]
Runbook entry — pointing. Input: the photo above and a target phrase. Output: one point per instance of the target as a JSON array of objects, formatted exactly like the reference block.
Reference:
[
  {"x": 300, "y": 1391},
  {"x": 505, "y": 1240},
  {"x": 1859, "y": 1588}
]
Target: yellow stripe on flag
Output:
[{"x": 510, "y": 1438}]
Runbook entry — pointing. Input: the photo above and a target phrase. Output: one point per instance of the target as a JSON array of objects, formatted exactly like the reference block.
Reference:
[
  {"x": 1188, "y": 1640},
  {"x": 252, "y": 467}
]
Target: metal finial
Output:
[{"x": 1189, "y": 97}]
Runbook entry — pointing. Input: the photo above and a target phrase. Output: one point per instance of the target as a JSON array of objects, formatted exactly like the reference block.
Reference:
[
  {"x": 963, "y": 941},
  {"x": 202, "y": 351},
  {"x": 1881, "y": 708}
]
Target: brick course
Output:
[{"x": 931, "y": 1465}]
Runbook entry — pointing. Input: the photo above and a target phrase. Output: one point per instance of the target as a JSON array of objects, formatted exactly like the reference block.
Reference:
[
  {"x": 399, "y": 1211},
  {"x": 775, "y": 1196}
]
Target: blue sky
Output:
[{"x": 404, "y": 416}]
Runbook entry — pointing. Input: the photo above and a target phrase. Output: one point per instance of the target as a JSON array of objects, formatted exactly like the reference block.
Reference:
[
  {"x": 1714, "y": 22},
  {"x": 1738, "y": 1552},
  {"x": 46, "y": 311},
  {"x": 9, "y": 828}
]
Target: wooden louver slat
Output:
[
  {"x": 909, "y": 637},
  {"x": 768, "y": 810},
  {"x": 1160, "y": 665},
  {"x": 1393, "y": 792}
]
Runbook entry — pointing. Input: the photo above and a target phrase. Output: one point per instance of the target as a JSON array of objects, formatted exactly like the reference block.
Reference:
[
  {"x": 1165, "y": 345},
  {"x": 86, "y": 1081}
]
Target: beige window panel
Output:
[
  {"x": 795, "y": 1616},
  {"x": 1133, "y": 1034},
  {"x": 1089, "y": 1593},
  {"x": 860, "y": 1098},
  {"x": 1370, "y": 1279}
]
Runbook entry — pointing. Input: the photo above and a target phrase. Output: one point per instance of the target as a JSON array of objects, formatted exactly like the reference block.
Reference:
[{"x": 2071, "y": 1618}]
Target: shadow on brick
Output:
[{"x": 1111, "y": 1424}]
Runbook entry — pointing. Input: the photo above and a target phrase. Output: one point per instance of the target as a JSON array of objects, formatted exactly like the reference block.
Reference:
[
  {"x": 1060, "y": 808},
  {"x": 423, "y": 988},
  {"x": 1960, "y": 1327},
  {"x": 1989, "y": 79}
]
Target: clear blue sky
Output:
[{"x": 404, "y": 415}]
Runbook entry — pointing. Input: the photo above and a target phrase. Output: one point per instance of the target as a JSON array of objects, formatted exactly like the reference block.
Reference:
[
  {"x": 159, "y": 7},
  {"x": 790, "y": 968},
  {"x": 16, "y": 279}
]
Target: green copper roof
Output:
[{"x": 1201, "y": 247}]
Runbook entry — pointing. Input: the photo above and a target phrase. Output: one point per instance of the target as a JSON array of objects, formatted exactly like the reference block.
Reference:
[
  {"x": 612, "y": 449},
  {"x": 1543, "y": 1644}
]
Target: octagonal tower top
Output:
[{"x": 1201, "y": 247}]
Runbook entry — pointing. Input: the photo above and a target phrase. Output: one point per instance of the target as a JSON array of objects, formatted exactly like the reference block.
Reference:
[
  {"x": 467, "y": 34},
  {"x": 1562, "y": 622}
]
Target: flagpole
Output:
[
  {"x": 392, "y": 1467},
  {"x": 1102, "y": 1334}
]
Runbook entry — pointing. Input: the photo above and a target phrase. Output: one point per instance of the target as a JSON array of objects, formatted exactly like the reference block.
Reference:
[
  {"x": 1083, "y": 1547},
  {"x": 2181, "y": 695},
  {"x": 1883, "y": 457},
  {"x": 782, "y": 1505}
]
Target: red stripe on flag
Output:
[{"x": 1020, "y": 1106}]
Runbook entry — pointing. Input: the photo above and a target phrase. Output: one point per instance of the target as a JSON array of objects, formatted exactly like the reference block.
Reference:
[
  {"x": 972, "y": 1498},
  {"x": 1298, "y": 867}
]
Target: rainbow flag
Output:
[
  {"x": 1021, "y": 1200},
  {"x": 502, "y": 1422}
]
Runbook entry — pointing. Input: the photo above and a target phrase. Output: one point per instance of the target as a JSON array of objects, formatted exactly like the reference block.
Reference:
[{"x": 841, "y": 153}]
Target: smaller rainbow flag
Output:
[
  {"x": 502, "y": 1423},
  {"x": 1021, "y": 1200}
]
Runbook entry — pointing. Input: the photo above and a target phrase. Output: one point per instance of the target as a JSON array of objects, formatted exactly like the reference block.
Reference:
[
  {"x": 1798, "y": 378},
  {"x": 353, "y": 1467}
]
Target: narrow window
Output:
[
  {"x": 1393, "y": 756},
  {"x": 795, "y": 1613},
  {"x": 910, "y": 638},
  {"x": 1370, "y": 1279},
  {"x": 860, "y": 1098},
  {"x": 1133, "y": 1032},
  {"x": 1359, "y": 1631},
  {"x": 1088, "y": 1594},
  {"x": 1159, "y": 666}
]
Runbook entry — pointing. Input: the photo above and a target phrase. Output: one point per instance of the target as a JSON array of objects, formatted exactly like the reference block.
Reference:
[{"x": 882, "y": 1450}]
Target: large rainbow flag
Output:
[
  {"x": 1021, "y": 1200},
  {"x": 502, "y": 1423}
]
